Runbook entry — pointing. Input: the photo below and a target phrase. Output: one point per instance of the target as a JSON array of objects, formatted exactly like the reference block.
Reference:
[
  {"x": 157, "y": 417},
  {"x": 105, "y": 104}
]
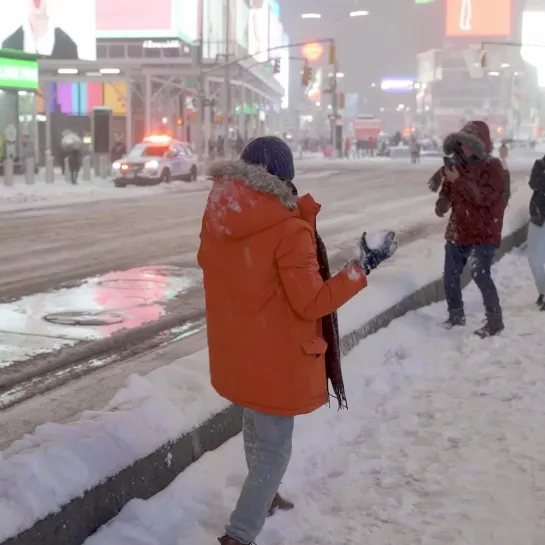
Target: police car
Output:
[{"x": 156, "y": 159}]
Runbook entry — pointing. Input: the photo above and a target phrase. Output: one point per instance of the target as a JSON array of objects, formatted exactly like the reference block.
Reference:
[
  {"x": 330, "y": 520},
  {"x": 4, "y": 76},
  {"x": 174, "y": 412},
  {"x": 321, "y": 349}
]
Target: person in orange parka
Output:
[{"x": 270, "y": 306}]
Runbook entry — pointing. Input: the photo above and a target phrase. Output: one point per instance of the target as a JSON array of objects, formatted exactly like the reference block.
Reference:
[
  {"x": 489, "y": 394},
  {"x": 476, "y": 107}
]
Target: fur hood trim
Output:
[
  {"x": 475, "y": 134},
  {"x": 256, "y": 177},
  {"x": 474, "y": 142}
]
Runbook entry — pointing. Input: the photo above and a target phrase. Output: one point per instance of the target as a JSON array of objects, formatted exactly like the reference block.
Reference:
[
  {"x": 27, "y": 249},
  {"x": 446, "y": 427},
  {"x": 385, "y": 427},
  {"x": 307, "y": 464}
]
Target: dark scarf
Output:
[{"x": 330, "y": 330}]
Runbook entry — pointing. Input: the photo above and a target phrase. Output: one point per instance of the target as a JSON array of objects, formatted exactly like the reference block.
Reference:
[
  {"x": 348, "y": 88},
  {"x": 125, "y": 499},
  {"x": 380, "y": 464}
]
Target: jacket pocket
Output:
[{"x": 314, "y": 347}]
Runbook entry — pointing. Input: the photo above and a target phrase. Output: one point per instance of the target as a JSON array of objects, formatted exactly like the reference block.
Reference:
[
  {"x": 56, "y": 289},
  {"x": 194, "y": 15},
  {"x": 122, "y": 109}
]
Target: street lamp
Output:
[
  {"x": 359, "y": 13},
  {"x": 311, "y": 16}
]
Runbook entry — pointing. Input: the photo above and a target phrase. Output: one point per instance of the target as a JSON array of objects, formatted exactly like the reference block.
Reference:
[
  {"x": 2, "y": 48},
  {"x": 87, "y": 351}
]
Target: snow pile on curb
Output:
[
  {"x": 442, "y": 443},
  {"x": 58, "y": 463},
  {"x": 21, "y": 196}
]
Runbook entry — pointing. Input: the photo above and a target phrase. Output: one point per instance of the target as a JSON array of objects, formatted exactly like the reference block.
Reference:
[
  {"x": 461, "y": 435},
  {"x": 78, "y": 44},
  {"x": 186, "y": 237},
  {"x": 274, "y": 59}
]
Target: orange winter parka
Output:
[{"x": 265, "y": 297}]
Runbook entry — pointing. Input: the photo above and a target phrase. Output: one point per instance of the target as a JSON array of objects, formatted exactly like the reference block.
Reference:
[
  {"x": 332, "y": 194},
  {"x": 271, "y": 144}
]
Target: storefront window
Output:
[
  {"x": 27, "y": 121},
  {"x": 8, "y": 124},
  {"x": 17, "y": 124}
]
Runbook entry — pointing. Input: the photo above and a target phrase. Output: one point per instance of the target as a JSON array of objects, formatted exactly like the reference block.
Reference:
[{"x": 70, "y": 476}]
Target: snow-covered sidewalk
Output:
[{"x": 443, "y": 443}]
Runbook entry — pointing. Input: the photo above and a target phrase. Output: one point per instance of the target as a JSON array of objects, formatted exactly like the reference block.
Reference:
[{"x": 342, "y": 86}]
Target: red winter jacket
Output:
[{"x": 476, "y": 198}]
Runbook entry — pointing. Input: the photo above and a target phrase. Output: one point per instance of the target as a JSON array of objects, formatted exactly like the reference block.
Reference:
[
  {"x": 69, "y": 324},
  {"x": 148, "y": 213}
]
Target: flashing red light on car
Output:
[{"x": 124, "y": 167}]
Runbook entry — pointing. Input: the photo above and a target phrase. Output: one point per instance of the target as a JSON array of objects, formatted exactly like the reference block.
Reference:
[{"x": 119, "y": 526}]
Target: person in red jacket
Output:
[
  {"x": 472, "y": 188},
  {"x": 271, "y": 314}
]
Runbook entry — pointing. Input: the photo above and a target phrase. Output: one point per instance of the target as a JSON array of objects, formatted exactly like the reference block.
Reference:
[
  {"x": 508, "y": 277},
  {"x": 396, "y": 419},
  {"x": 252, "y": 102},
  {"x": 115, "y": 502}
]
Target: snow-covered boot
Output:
[
  {"x": 280, "y": 503},
  {"x": 455, "y": 319},
  {"x": 493, "y": 326}
]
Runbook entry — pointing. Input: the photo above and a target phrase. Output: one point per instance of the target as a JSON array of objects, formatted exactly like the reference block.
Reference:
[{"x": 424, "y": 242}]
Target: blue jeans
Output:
[
  {"x": 536, "y": 255},
  {"x": 480, "y": 259},
  {"x": 267, "y": 446}
]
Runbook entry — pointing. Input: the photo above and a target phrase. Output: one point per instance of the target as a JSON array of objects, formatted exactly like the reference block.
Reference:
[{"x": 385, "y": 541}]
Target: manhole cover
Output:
[
  {"x": 133, "y": 284},
  {"x": 84, "y": 318}
]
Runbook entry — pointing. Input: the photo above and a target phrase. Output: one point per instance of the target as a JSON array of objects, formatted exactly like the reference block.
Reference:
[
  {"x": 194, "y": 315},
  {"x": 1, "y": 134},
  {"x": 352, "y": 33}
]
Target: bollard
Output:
[
  {"x": 67, "y": 176},
  {"x": 8, "y": 171},
  {"x": 49, "y": 168},
  {"x": 104, "y": 167},
  {"x": 29, "y": 171},
  {"x": 86, "y": 174}
]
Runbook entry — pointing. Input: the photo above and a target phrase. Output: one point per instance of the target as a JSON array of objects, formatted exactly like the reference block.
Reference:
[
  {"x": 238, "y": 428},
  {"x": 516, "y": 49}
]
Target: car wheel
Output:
[
  {"x": 166, "y": 176},
  {"x": 194, "y": 174}
]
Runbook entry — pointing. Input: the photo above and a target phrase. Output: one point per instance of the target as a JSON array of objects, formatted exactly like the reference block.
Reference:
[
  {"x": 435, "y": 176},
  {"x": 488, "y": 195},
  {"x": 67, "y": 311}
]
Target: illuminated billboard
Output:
[
  {"x": 397, "y": 85},
  {"x": 147, "y": 19},
  {"x": 242, "y": 17},
  {"x": 478, "y": 18},
  {"x": 533, "y": 23},
  {"x": 258, "y": 40},
  {"x": 214, "y": 29},
  {"x": 59, "y": 29}
]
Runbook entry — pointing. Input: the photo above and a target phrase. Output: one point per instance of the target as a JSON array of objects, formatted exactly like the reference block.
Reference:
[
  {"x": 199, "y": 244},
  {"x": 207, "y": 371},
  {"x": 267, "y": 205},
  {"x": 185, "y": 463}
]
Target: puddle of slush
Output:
[
  {"x": 96, "y": 309},
  {"x": 42, "y": 384}
]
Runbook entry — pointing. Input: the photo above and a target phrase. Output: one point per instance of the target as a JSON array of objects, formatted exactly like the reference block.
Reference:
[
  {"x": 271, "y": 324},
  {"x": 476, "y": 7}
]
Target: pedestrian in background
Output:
[
  {"x": 271, "y": 314},
  {"x": 536, "y": 230}
]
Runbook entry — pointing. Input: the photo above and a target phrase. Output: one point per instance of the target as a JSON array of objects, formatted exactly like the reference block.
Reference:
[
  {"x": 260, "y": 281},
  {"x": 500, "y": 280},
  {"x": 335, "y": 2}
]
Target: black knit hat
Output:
[{"x": 272, "y": 153}]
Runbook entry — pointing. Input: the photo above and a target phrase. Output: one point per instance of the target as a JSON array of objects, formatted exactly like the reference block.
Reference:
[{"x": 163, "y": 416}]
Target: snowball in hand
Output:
[{"x": 383, "y": 242}]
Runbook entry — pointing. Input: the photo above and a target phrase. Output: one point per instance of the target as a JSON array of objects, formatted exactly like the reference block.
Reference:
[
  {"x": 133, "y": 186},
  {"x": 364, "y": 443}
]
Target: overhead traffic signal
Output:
[
  {"x": 332, "y": 54},
  {"x": 307, "y": 75},
  {"x": 276, "y": 65}
]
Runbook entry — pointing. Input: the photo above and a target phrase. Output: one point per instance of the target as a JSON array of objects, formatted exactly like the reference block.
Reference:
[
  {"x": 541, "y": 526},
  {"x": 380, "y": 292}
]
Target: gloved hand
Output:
[{"x": 374, "y": 252}]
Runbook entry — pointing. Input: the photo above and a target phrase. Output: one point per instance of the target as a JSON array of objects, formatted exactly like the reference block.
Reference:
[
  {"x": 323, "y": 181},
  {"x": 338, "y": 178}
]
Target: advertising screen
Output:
[
  {"x": 147, "y": 19},
  {"x": 532, "y": 33},
  {"x": 60, "y": 29},
  {"x": 284, "y": 76},
  {"x": 214, "y": 28},
  {"x": 397, "y": 85},
  {"x": 243, "y": 15},
  {"x": 478, "y": 17},
  {"x": 18, "y": 74},
  {"x": 259, "y": 29}
]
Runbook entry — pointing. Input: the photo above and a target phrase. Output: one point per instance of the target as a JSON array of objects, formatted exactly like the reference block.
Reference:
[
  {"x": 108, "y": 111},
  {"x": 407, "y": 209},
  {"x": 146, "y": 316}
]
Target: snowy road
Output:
[
  {"x": 43, "y": 247},
  {"x": 442, "y": 444}
]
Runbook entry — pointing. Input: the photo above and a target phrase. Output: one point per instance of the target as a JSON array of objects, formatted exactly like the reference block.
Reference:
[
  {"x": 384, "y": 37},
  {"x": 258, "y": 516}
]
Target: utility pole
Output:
[
  {"x": 334, "y": 95},
  {"x": 203, "y": 102},
  {"x": 228, "y": 98}
]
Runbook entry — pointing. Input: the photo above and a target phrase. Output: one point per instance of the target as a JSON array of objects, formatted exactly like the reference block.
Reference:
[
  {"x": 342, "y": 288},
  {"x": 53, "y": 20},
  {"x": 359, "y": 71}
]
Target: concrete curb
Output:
[
  {"x": 83, "y": 516},
  {"x": 92, "y": 349}
]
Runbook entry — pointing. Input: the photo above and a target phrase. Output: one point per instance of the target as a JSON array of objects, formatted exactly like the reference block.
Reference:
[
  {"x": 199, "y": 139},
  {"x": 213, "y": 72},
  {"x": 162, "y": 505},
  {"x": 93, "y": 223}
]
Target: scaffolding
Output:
[{"x": 160, "y": 80}]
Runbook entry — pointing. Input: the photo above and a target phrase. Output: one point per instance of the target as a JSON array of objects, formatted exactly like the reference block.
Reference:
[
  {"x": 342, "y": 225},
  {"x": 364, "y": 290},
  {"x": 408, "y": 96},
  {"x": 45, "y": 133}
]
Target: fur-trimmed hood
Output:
[
  {"x": 255, "y": 176},
  {"x": 474, "y": 134},
  {"x": 245, "y": 200}
]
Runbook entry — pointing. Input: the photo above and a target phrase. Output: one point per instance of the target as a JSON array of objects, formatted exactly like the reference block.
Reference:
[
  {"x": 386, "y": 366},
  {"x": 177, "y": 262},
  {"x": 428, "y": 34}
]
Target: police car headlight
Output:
[
  {"x": 152, "y": 165},
  {"x": 116, "y": 166}
]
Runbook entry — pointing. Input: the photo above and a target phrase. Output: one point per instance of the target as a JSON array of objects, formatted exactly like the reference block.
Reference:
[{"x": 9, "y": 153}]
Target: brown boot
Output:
[{"x": 280, "y": 503}]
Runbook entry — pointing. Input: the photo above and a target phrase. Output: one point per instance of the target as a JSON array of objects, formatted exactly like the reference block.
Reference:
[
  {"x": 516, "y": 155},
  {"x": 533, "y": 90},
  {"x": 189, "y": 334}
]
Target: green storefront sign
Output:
[{"x": 18, "y": 73}]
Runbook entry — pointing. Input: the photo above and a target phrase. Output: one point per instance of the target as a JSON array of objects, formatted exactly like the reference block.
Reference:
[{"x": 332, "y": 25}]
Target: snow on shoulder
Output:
[{"x": 443, "y": 443}]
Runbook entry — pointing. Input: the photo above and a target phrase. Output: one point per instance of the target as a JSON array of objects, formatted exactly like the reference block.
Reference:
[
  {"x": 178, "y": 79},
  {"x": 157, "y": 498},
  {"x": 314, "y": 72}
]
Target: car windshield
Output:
[{"x": 146, "y": 150}]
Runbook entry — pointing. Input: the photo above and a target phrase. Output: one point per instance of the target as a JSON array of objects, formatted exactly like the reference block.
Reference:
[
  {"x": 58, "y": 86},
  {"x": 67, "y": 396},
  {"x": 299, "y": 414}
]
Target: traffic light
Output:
[
  {"x": 332, "y": 54},
  {"x": 307, "y": 75},
  {"x": 342, "y": 101},
  {"x": 276, "y": 65}
]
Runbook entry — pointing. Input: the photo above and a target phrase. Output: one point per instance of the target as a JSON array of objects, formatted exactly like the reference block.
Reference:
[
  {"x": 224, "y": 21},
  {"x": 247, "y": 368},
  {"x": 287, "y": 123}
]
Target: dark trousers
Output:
[{"x": 480, "y": 259}]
